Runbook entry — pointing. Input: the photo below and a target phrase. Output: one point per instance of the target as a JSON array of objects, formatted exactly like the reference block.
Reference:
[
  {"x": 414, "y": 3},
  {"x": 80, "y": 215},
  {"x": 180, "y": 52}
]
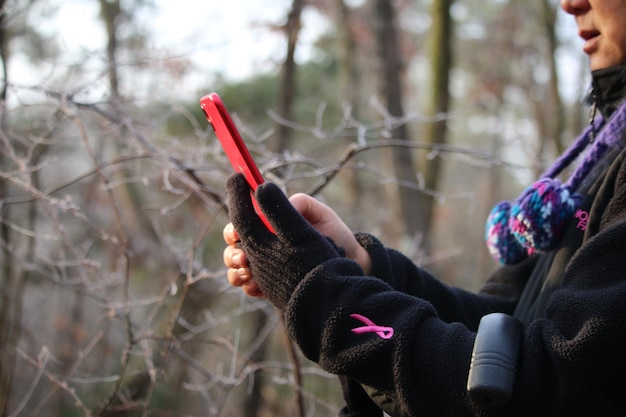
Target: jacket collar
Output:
[{"x": 608, "y": 89}]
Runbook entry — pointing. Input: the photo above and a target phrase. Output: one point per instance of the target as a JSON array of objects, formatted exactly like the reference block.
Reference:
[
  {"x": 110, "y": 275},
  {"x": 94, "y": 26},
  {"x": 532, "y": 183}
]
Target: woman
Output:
[{"x": 402, "y": 341}]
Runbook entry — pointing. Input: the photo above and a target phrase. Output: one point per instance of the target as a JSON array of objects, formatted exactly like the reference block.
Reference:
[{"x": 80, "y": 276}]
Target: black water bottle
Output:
[{"x": 494, "y": 360}]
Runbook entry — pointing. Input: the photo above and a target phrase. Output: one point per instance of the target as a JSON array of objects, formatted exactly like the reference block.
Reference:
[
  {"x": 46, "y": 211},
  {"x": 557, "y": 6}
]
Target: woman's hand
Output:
[
  {"x": 320, "y": 216},
  {"x": 238, "y": 274},
  {"x": 328, "y": 223}
]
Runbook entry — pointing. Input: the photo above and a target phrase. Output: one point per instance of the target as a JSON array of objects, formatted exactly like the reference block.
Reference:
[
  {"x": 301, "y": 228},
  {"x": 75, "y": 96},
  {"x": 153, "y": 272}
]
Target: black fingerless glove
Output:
[{"x": 278, "y": 261}]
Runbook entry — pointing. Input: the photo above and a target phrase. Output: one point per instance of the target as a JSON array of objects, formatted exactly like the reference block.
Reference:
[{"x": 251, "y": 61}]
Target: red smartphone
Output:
[{"x": 233, "y": 145}]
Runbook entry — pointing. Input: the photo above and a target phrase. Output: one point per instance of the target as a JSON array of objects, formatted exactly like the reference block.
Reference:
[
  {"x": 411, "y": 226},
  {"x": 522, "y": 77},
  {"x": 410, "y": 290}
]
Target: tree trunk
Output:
[
  {"x": 110, "y": 11},
  {"x": 7, "y": 357},
  {"x": 350, "y": 88},
  {"x": 439, "y": 104},
  {"x": 390, "y": 60},
  {"x": 557, "y": 125},
  {"x": 288, "y": 75}
]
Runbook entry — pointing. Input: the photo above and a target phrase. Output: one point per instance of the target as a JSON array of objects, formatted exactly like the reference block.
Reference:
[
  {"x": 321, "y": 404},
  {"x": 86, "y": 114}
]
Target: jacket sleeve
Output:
[
  {"x": 500, "y": 292},
  {"x": 401, "y": 340}
]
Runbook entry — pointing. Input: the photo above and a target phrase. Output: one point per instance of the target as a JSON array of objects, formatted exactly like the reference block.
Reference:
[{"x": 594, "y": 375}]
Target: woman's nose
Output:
[{"x": 575, "y": 7}]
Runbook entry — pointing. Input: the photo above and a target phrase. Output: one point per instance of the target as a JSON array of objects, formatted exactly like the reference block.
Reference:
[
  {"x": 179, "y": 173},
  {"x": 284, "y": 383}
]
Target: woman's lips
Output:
[{"x": 591, "y": 38}]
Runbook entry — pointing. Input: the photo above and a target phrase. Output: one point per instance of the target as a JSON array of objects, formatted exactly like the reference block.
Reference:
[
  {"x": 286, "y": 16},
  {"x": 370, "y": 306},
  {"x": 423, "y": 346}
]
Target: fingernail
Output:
[{"x": 237, "y": 259}]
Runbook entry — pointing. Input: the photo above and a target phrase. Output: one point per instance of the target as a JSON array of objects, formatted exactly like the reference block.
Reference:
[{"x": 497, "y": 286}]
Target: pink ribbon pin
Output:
[{"x": 371, "y": 327}]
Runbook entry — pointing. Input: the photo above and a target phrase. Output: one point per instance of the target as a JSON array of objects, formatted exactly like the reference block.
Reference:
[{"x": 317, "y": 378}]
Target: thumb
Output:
[
  {"x": 283, "y": 216},
  {"x": 328, "y": 223},
  {"x": 318, "y": 214}
]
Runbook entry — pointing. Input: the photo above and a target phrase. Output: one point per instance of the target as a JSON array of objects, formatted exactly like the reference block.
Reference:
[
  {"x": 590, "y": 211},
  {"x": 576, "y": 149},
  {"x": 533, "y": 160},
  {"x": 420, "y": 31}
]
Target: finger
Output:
[
  {"x": 227, "y": 256},
  {"x": 231, "y": 237},
  {"x": 241, "y": 210},
  {"x": 252, "y": 289},
  {"x": 306, "y": 205},
  {"x": 285, "y": 219},
  {"x": 318, "y": 214},
  {"x": 238, "y": 277},
  {"x": 326, "y": 221},
  {"x": 235, "y": 257}
]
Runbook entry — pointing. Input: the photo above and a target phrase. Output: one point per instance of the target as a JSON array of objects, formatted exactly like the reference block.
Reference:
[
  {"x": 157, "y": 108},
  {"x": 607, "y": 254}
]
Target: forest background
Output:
[{"x": 411, "y": 119}]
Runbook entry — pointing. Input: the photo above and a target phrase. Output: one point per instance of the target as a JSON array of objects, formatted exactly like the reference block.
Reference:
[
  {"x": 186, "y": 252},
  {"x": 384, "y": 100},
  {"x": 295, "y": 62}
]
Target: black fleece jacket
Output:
[{"x": 407, "y": 338}]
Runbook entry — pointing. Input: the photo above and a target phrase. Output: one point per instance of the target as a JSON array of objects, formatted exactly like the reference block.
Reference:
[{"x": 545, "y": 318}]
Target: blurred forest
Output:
[{"x": 411, "y": 119}]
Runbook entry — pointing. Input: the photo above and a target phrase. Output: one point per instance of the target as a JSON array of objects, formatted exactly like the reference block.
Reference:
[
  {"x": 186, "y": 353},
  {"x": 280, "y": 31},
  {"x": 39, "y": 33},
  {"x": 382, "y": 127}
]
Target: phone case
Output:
[{"x": 233, "y": 145}]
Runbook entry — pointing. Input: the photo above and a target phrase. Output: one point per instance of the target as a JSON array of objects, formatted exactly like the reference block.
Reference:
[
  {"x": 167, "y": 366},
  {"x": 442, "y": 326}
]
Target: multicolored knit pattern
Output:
[
  {"x": 543, "y": 210},
  {"x": 538, "y": 218},
  {"x": 501, "y": 243}
]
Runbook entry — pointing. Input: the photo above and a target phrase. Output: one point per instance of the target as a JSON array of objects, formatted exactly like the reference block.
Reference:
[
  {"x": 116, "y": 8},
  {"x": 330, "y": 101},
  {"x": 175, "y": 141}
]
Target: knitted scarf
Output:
[{"x": 537, "y": 219}]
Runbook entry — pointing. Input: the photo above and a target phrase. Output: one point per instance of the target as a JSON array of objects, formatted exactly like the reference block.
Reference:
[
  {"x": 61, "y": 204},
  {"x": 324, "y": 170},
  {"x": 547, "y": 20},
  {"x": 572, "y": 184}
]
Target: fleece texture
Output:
[
  {"x": 572, "y": 361},
  {"x": 401, "y": 340}
]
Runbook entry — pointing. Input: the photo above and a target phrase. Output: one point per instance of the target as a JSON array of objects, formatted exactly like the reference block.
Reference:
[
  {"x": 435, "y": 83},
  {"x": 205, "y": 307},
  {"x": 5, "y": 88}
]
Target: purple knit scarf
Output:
[{"x": 537, "y": 220}]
